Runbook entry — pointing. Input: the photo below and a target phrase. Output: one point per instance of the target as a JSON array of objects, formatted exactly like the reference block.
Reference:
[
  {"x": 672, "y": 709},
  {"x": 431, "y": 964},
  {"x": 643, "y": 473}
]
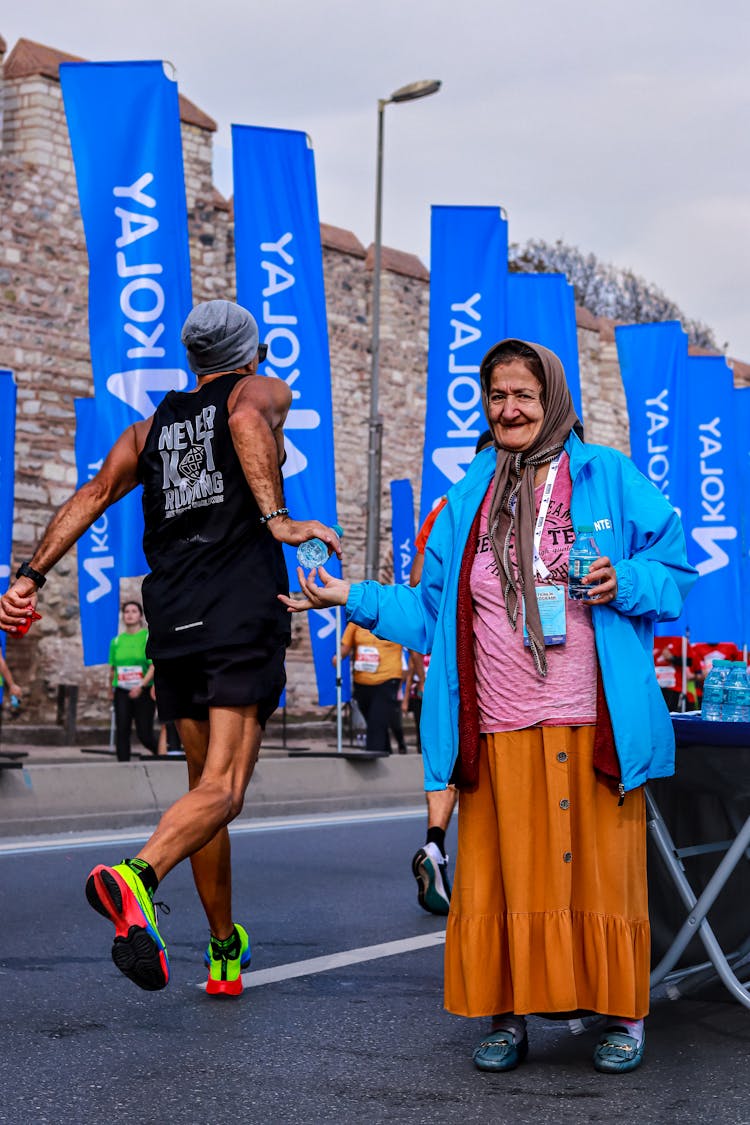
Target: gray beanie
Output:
[{"x": 219, "y": 336}]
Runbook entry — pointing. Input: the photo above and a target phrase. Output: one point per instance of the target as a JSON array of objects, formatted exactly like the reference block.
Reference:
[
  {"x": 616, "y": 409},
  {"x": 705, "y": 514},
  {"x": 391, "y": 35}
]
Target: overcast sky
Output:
[{"x": 621, "y": 128}]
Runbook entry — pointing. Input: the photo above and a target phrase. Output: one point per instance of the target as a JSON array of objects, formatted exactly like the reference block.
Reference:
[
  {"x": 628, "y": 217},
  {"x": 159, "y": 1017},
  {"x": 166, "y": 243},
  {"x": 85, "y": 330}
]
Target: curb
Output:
[{"x": 97, "y": 795}]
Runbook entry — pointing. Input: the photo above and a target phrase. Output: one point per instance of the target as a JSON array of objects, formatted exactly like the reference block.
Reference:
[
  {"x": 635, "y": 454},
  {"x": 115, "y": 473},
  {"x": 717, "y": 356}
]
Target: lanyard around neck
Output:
[{"x": 539, "y": 568}]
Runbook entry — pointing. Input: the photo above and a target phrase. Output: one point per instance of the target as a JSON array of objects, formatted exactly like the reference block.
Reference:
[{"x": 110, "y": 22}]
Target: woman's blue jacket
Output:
[{"x": 642, "y": 535}]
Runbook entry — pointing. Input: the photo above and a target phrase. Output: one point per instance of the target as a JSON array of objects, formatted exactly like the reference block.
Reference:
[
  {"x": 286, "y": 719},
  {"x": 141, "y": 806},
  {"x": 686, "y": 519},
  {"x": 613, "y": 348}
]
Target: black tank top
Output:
[{"x": 215, "y": 568}]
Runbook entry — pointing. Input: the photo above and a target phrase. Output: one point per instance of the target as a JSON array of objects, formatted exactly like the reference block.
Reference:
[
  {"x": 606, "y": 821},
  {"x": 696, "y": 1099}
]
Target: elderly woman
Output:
[{"x": 549, "y": 730}]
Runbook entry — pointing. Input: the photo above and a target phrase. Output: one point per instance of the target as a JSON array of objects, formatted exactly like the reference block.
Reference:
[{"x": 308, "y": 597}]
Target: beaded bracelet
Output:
[{"x": 272, "y": 515}]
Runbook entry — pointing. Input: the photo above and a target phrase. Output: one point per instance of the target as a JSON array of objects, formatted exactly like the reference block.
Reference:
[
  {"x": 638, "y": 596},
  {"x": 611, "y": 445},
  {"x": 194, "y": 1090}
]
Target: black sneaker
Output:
[{"x": 430, "y": 869}]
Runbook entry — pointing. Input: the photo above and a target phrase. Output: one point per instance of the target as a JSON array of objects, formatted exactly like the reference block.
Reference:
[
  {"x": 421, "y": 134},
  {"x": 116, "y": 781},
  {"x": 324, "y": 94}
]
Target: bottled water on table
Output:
[
  {"x": 582, "y": 554},
  {"x": 712, "y": 707},
  {"x": 736, "y": 695},
  {"x": 314, "y": 552}
]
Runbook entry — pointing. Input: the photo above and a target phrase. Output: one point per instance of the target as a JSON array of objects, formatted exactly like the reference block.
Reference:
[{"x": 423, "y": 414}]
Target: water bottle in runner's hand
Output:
[
  {"x": 314, "y": 552},
  {"x": 582, "y": 554}
]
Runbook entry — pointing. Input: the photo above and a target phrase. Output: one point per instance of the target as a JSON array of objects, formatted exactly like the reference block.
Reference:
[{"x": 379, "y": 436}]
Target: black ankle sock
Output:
[
  {"x": 229, "y": 947},
  {"x": 145, "y": 873},
  {"x": 437, "y": 836}
]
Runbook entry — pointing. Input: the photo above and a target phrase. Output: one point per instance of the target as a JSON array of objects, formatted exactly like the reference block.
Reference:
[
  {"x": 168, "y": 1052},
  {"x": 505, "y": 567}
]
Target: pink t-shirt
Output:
[{"x": 512, "y": 695}]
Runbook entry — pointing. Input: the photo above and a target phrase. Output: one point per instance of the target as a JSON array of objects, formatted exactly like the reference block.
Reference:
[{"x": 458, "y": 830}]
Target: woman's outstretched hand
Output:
[{"x": 334, "y": 591}]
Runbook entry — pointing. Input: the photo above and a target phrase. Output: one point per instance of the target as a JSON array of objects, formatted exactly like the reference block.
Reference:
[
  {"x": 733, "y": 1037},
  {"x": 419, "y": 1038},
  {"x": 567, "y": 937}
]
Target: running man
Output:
[
  {"x": 209, "y": 462},
  {"x": 430, "y": 863}
]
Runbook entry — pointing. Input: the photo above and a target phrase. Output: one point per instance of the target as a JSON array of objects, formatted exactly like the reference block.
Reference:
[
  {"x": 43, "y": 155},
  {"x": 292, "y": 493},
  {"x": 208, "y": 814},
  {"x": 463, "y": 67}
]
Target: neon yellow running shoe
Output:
[
  {"x": 225, "y": 972},
  {"x": 138, "y": 950}
]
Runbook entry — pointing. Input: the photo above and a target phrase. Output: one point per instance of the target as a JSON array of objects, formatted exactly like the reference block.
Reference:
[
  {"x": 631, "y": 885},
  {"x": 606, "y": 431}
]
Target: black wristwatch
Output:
[{"x": 26, "y": 571}]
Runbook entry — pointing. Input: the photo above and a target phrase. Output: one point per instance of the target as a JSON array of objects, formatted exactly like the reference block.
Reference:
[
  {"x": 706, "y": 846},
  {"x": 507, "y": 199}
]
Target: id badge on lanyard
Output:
[
  {"x": 552, "y": 600},
  {"x": 551, "y": 596}
]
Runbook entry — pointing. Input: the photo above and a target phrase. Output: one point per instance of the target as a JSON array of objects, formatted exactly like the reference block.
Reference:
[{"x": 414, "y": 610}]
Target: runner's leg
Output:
[
  {"x": 143, "y": 712},
  {"x": 440, "y": 806},
  {"x": 396, "y": 726},
  {"x": 379, "y": 717},
  {"x": 192, "y": 821},
  {"x": 123, "y": 719},
  {"x": 212, "y": 870}
]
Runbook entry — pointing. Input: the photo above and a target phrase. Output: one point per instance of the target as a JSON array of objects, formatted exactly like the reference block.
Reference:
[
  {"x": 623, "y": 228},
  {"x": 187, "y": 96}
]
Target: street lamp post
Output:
[{"x": 375, "y": 436}]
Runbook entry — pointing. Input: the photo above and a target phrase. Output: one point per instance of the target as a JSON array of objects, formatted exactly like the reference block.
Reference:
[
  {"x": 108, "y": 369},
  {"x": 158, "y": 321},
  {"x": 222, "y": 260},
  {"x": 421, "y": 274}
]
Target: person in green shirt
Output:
[
  {"x": 131, "y": 676},
  {"x": 9, "y": 687}
]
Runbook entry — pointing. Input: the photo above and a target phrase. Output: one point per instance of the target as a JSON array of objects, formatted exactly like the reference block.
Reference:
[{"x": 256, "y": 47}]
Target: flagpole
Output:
[
  {"x": 375, "y": 425},
  {"x": 685, "y": 642}
]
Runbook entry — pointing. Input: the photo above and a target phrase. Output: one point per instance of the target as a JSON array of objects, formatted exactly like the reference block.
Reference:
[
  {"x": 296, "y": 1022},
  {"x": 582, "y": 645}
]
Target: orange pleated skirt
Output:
[{"x": 549, "y": 911}]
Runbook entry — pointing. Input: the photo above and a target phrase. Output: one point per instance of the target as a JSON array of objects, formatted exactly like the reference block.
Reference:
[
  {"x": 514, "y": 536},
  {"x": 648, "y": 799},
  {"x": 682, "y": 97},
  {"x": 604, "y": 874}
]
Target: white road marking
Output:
[
  {"x": 124, "y": 836},
  {"x": 270, "y": 824},
  {"x": 340, "y": 960}
]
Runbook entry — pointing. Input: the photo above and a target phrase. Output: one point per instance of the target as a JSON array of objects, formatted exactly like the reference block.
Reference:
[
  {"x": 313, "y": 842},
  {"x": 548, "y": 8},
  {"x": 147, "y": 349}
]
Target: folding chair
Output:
[{"x": 713, "y": 760}]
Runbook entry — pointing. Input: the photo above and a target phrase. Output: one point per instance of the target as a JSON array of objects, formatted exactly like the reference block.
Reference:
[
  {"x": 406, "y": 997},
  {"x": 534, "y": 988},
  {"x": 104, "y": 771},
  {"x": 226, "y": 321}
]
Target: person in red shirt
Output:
[
  {"x": 668, "y": 667},
  {"x": 702, "y": 656}
]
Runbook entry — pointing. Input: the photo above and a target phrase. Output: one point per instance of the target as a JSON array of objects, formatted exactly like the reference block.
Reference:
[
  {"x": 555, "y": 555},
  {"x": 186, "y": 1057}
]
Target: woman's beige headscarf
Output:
[{"x": 513, "y": 509}]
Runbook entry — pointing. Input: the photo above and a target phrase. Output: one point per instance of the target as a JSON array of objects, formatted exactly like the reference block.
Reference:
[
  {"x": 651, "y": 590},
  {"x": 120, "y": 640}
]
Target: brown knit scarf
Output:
[{"x": 513, "y": 509}]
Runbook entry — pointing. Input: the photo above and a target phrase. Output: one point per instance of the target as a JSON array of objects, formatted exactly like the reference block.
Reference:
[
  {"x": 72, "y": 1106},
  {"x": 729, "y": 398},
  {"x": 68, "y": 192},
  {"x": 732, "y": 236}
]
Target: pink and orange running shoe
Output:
[{"x": 138, "y": 950}]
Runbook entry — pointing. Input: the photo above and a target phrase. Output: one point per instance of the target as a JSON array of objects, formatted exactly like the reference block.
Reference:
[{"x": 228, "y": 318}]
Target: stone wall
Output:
[{"x": 44, "y": 339}]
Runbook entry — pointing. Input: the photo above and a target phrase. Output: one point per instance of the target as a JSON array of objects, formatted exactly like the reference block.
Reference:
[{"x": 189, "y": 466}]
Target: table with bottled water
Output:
[
  {"x": 702, "y": 812},
  {"x": 726, "y": 693}
]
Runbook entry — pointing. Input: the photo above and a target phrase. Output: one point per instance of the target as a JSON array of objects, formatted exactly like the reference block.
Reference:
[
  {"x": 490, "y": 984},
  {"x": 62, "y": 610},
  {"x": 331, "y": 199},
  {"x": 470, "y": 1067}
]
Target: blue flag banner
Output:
[
  {"x": 653, "y": 365},
  {"x": 7, "y": 480},
  {"x": 402, "y": 527},
  {"x": 323, "y": 641},
  {"x": 542, "y": 310},
  {"x": 711, "y": 516},
  {"x": 279, "y": 261},
  {"x": 98, "y": 574},
  {"x": 124, "y": 125},
  {"x": 653, "y": 359},
  {"x": 468, "y": 267}
]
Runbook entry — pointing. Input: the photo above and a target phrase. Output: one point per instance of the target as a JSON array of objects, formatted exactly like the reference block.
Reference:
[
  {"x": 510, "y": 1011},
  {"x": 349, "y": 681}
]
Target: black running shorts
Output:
[{"x": 187, "y": 686}]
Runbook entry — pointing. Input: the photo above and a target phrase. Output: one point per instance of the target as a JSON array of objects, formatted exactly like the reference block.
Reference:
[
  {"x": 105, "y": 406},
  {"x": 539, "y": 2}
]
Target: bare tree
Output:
[{"x": 604, "y": 289}]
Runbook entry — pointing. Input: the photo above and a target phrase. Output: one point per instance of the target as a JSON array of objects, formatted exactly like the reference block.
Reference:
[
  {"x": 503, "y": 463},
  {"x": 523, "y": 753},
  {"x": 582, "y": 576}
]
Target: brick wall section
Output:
[{"x": 43, "y": 310}]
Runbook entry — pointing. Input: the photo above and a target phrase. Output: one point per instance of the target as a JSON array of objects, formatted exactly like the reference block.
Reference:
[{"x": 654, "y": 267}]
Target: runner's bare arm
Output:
[
  {"x": 256, "y": 420},
  {"x": 117, "y": 476}
]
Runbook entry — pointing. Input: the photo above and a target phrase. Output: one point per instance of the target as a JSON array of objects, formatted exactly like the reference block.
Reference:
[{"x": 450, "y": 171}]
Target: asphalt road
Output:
[{"x": 366, "y": 1042}]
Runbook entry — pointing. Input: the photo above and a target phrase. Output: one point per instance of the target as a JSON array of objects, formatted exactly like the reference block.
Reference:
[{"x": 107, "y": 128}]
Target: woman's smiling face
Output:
[{"x": 515, "y": 406}]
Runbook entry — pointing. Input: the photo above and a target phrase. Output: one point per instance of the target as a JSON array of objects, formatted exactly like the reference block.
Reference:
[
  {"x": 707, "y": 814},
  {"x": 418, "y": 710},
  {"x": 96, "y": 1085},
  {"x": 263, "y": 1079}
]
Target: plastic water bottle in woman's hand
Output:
[
  {"x": 582, "y": 554},
  {"x": 314, "y": 552}
]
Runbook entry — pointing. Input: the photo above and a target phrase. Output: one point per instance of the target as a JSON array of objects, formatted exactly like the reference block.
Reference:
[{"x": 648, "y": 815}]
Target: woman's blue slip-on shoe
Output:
[
  {"x": 499, "y": 1051},
  {"x": 617, "y": 1052}
]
